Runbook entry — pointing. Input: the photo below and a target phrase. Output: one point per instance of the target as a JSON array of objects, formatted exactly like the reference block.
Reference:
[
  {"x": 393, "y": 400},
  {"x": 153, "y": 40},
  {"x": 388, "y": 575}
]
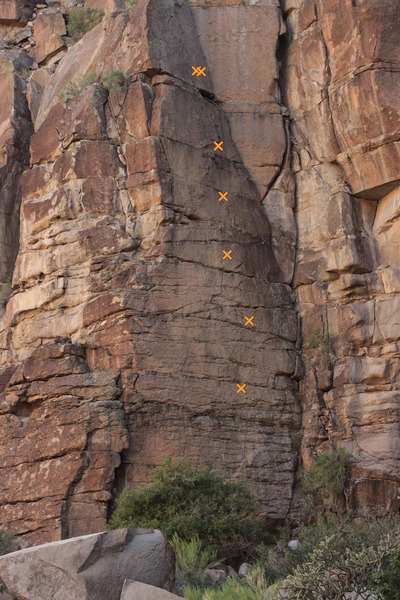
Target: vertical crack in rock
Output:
[{"x": 15, "y": 131}]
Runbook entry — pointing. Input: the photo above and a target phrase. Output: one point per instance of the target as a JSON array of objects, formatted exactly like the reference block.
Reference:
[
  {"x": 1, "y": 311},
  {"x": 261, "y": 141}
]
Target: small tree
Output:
[
  {"x": 191, "y": 501},
  {"x": 386, "y": 581}
]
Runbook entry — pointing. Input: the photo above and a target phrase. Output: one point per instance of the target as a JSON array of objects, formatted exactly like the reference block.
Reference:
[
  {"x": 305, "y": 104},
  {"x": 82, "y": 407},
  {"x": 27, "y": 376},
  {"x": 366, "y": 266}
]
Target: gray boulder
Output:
[
  {"x": 134, "y": 590},
  {"x": 90, "y": 567}
]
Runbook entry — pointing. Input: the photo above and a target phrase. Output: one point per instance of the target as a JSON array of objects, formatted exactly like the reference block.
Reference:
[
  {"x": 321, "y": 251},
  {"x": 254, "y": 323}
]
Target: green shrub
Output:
[
  {"x": 77, "y": 86},
  {"x": 191, "y": 555},
  {"x": 348, "y": 536},
  {"x": 190, "y": 502},
  {"x": 332, "y": 573},
  {"x": 191, "y": 559},
  {"x": 321, "y": 340},
  {"x": 334, "y": 558},
  {"x": 386, "y": 582},
  {"x": 253, "y": 587},
  {"x": 131, "y": 2},
  {"x": 328, "y": 474},
  {"x": 81, "y": 20},
  {"x": 116, "y": 80}
]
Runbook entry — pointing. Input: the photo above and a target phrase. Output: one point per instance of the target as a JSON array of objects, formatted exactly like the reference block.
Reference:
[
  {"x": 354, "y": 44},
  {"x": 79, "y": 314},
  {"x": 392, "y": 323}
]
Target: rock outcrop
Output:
[
  {"x": 134, "y": 590},
  {"x": 62, "y": 433},
  {"x": 344, "y": 105},
  {"x": 15, "y": 133},
  {"x": 91, "y": 567},
  {"x": 122, "y": 240},
  {"x": 125, "y": 338}
]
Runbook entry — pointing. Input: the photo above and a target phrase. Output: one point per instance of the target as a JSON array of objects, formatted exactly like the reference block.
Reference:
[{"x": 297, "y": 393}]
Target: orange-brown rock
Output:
[
  {"x": 15, "y": 11},
  {"x": 124, "y": 339},
  {"x": 48, "y": 29},
  {"x": 62, "y": 432},
  {"x": 344, "y": 103},
  {"x": 15, "y": 132},
  {"x": 121, "y": 251}
]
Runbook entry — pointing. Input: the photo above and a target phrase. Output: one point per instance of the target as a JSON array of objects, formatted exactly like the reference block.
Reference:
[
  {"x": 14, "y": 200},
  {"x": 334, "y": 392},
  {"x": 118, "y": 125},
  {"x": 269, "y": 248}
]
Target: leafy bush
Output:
[
  {"x": 332, "y": 573},
  {"x": 334, "y": 558},
  {"x": 328, "y": 475},
  {"x": 77, "y": 86},
  {"x": 116, "y": 80},
  {"x": 386, "y": 582},
  {"x": 131, "y": 2},
  {"x": 347, "y": 537},
  {"x": 81, "y": 20},
  {"x": 190, "y": 502}
]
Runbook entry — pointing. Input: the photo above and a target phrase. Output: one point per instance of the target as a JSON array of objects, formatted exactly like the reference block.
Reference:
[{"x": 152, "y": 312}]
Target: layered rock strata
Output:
[
  {"x": 341, "y": 83},
  {"x": 125, "y": 332},
  {"x": 122, "y": 252}
]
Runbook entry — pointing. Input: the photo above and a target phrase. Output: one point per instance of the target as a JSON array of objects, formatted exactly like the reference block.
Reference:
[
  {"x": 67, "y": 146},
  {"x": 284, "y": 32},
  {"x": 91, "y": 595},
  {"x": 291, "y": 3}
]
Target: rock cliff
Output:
[{"x": 128, "y": 281}]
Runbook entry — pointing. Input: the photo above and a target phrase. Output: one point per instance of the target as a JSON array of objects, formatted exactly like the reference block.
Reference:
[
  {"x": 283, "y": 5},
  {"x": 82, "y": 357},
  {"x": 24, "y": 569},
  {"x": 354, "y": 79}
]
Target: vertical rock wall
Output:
[
  {"x": 15, "y": 132},
  {"x": 341, "y": 84},
  {"x": 122, "y": 241},
  {"x": 125, "y": 339}
]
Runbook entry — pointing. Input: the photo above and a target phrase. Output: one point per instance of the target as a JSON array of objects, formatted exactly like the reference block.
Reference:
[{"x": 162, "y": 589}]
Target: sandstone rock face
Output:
[
  {"x": 15, "y": 132},
  {"x": 92, "y": 567},
  {"x": 62, "y": 431},
  {"x": 122, "y": 252},
  {"x": 48, "y": 29},
  {"x": 344, "y": 104},
  {"x": 15, "y": 11},
  {"x": 125, "y": 338}
]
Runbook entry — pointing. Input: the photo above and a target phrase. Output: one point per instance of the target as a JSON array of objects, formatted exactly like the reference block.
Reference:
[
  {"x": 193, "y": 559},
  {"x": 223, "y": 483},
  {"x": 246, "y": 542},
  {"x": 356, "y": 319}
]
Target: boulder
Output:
[
  {"x": 15, "y": 11},
  {"x": 91, "y": 567},
  {"x": 48, "y": 29},
  {"x": 244, "y": 567},
  {"x": 135, "y": 590}
]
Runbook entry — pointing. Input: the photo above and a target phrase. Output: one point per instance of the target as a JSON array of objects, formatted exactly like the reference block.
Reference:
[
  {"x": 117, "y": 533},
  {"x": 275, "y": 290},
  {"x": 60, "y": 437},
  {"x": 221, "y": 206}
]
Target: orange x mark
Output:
[
  {"x": 241, "y": 388},
  {"x": 227, "y": 255},
  {"x": 223, "y": 196},
  {"x": 218, "y": 146},
  {"x": 249, "y": 321},
  {"x": 198, "y": 71}
]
